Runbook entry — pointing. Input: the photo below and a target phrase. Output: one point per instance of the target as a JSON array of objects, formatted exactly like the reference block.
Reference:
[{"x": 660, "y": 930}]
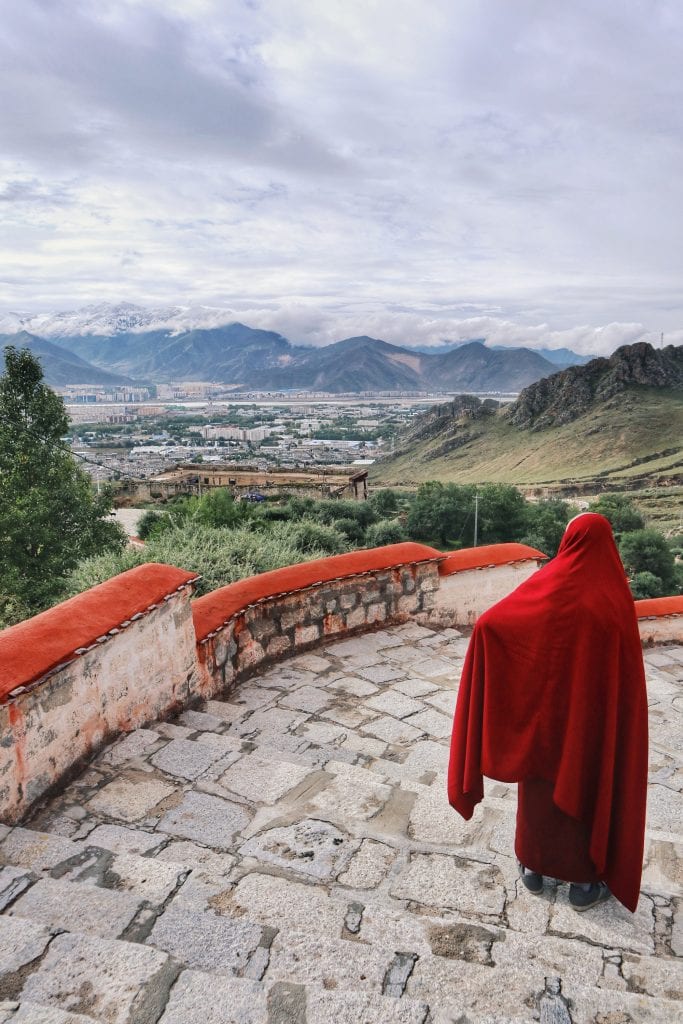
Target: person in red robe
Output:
[{"x": 552, "y": 697}]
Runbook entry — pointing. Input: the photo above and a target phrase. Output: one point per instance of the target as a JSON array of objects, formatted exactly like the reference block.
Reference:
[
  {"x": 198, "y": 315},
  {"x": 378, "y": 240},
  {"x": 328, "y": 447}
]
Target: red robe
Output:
[{"x": 553, "y": 688}]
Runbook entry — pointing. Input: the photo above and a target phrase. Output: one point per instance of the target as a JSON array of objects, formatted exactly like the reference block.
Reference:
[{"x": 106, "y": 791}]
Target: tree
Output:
[
  {"x": 621, "y": 512},
  {"x": 49, "y": 516},
  {"x": 646, "y": 552}
]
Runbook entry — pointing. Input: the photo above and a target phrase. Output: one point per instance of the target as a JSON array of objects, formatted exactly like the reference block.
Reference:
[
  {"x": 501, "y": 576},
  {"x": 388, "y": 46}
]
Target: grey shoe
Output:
[
  {"x": 583, "y": 898},
  {"x": 531, "y": 879}
]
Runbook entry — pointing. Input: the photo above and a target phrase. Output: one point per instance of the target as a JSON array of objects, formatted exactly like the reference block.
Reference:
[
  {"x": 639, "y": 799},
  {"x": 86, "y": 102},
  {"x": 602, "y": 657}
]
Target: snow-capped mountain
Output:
[{"x": 105, "y": 320}]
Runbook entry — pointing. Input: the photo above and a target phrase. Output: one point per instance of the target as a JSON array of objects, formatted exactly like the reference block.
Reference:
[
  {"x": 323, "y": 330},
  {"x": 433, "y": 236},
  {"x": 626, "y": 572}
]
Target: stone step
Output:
[{"x": 35, "y": 1013}]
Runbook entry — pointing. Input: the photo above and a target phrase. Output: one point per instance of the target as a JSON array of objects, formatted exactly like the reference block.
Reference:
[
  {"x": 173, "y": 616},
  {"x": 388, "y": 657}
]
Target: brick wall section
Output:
[{"x": 285, "y": 625}]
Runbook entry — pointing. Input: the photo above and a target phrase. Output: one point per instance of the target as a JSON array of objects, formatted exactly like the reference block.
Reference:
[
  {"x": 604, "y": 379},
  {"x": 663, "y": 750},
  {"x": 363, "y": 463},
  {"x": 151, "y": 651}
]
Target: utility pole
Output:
[
  {"x": 661, "y": 340},
  {"x": 476, "y": 518}
]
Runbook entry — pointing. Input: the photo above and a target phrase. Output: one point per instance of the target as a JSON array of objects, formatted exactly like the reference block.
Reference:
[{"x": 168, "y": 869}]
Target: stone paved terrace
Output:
[{"x": 287, "y": 855}]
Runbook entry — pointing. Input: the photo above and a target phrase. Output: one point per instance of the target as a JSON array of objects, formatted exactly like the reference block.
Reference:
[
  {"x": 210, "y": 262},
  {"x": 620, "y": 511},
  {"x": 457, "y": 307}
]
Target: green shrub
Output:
[
  {"x": 646, "y": 584},
  {"x": 647, "y": 551},
  {"x": 387, "y": 531},
  {"x": 621, "y": 512}
]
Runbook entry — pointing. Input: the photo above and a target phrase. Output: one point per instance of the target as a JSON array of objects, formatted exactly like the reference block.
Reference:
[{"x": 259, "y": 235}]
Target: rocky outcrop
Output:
[{"x": 565, "y": 396}]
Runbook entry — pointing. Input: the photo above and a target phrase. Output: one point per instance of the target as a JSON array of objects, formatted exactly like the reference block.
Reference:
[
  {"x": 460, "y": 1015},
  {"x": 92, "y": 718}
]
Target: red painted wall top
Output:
[
  {"x": 660, "y": 606},
  {"x": 32, "y": 648},
  {"x": 214, "y": 609},
  {"x": 487, "y": 554}
]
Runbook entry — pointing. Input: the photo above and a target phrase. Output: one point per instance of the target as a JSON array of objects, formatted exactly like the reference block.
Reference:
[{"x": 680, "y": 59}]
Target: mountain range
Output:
[{"x": 255, "y": 359}]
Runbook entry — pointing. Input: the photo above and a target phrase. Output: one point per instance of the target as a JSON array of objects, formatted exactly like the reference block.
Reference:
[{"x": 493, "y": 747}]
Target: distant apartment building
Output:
[{"x": 228, "y": 433}]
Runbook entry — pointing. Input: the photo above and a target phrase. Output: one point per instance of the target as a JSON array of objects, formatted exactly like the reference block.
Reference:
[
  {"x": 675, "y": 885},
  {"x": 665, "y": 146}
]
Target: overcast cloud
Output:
[{"x": 416, "y": 170}]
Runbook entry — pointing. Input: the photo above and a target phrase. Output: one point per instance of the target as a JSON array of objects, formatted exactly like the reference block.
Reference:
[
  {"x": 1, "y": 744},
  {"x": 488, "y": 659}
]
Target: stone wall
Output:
[
  {"x": 463, "y": 596},
  {"x": 283, "y": 625},
  {"x": 143, "y": 669}
]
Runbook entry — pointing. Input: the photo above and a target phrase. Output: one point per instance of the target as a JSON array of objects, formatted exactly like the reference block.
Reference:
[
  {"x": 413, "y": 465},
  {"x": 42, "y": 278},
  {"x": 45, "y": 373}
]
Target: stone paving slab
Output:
[
  {"x": 205, "y": 941},
  {"x": 116, "y": 982},
  {"x": 201, "y": 998},
  {"x": 73, "y": 907},
  {"x": 299, "y": 834}
]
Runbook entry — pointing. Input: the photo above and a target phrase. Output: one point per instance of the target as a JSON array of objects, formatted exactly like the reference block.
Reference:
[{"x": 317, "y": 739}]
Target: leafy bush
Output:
[
  {"x": 384, "y": 502},
  {"x": 351, "y": 530},
  {"x": 546, "y": 523},
  {"x": 646, "y": 584},
  {"x": 151, "y": 522},
  {"x": 621, "y": 512},
  {"x": 647, "y": 551},
  {"x": 387, "y": 531},
  {"x": 218, "y": 554}
]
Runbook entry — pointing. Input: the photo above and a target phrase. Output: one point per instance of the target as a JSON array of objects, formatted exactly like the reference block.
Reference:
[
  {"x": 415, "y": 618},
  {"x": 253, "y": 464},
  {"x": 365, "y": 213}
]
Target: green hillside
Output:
[{"x": 632, "y": 440}]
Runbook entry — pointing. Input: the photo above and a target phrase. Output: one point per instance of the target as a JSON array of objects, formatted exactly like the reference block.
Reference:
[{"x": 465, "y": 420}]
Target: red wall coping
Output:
[
  {"x": 656, "y": 606},
  {"x": 34, "y": 647},
  {"x": 488, "y": 554},
  {"x": 215, "y": 609}
]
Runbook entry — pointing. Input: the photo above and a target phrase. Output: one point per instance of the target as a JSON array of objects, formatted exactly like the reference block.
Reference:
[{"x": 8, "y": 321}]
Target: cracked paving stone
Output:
[
  {"x": 262, "y": 779},
  {"x": 133, "y": 744},
  {"x": 432, "y": 821},
  {"x": 185, "y": 758},
  {"x": 13, "y": 881},
  {"x": 288, "y": 905},
  {"x": 37, "y": 851},
  {"x": 427, "y": 756},
  {"x": 205, "y": 941},
  {"x": 392, "y": 730},
  {"x": 440, "y": 881},
  {"x": 202, "y": 721},
  {"x": 306, "y": 698},
  {"x": 271, "y": 720},
  {"x": 145, "y": 877},
  {"x": 232, "y": 1000},
  {"x": 77, "y": 908},
  {"x": 352, "y": 686},
  {"x": 313, "y": 848},
  {"x": 433, "y": 723},
  {"x": 205, "y": 819},
  {"x": 434, "y": 667},
  {"x": 368, "y": 866},
  {"x": 116, "y": 982},
  {"x": 390, "y": 702},
  {"x": 357, "y": 1007},
  {"x": 380, "y": 673},
  {"x": 609, "y": 924},
  {"x": 414, "y": 687},
  {"x": 21, "y": 942},
  {"x": 312, "y": 663},
  {"x": 120, "y": 839},
  {"x": 130, "y": 798},
  {"x": 310, "y": 959},
  {"x": 187, "y": 854},
  {"x": 347, "y": 799}
]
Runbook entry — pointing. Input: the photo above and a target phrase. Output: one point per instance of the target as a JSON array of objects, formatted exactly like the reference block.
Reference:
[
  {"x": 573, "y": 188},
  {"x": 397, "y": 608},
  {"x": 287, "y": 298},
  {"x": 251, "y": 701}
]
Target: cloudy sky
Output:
[{"x": 417, "y": 170}]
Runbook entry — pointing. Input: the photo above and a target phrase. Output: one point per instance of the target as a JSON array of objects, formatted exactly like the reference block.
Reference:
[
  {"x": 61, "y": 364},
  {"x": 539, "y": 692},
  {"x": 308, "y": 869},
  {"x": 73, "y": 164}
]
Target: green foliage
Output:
[
  {"x": 646, "y": 584},
  {"x": 545, "y": 524},
  {"x": 621, "y": 512},
  {"x": 309, "y": 537},
  {"x": 384, "y": 502},
  {"x": 151, "y": 522},
  {"x": 351, "y": 529},
  {"x": 441, "y": 512},
  {"x": 387, "y": 531},
  {"x": 220, "y": 555},
  {"x": 218, "y": 508},
  {"x": 646, "y": 551},
  {"x": 503, "y": 512},
  {"x": 49, "y": 515}
]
